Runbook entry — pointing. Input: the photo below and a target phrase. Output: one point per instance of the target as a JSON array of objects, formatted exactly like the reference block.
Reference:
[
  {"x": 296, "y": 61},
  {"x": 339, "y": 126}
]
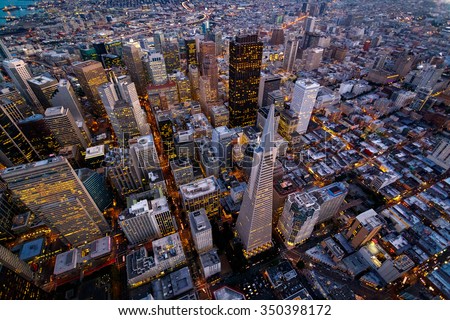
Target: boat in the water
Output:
[{"x": 11, "y": 8}]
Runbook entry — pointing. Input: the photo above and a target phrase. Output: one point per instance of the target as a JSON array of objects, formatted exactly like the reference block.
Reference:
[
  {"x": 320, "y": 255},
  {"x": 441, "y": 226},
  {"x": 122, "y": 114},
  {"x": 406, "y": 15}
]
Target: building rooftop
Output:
[
  {"x": 226, "y": 293},
  {"x": 172, "y": 285},
  {"x": 209, "y": 258},
  {"x": 55, "y": 112},
  {"x": 41, "y": 80},
  {"x": 167, "y": 247},
  {"x": 199, "y": 188},
  {"x": 199, "y": 221},
  {"x": 138, "y": 262},
  {"x": 31, "y": 249},
  {"x": 369, "y": 219},
  {"x": 36, "y": 164},
  {"x": 68, "y": 261},
  {"x": 94, "y": 152}
]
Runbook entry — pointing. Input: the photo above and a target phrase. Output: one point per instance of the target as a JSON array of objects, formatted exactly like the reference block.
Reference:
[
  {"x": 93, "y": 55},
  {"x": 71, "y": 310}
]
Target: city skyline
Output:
[{"x": 201, "y": 150}]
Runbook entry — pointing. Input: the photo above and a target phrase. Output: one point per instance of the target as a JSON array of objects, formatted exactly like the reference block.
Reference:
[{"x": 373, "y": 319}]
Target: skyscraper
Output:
[
  {"x": 18, "y": 71},
  {"x": 303, "y": 101},
  {"x": 36, "y": 130},
  {"x": 9, "y": 207},
  {"x": 156, "y": 68},
  {"x": 244, "y": 73},
  {"x": 66, "y": 97},
  {"x": 63, "y": 125},
  {"x": 144, "y": 156},
  {"x": 277, "y": 37},
  {"x": 300, "y": 214},
  {"x": 91, "y": 75},
  {"x": 123, "y": 108},
  {"x": 15, "y": 148},
  {"x": 310, "y": 24},
  {"x": 208, "y": 66},
  {"x": 4, "y": 52},
  {"x": 52, "y": 190},
  {"x": 312, "y": 58},
  {"x": 267, "y": 84},
  {"x": 96, "y": 186},
  {"x": 201, "y": 230},
  {"x": 43, "y": 87},
  {"x": 147, "y": 220},
  {"x": 132, "y": 55},
  {"x": 330, "y": 198},
  {"x": 191, "y": 52},
  {"x": 290, "y": 54},
  {"x": 171, "y": 52},
  {"x": 254, "y": 223}
]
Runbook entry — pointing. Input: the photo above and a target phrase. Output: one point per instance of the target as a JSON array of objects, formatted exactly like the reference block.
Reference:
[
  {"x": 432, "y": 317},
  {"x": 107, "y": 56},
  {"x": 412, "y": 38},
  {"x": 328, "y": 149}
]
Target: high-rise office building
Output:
[
  {"x": 171, "y": 52},
  {"x": 12, "y": 103},
  {"x": 300, "y": 215},
  {"x": 254, "y": 223},
  {"x": 201, "y": 230},
  {"x": 95, "y": 184},
  {"x": 124, "y": 110},
  {"x": 182, "y": 170},
  {"x": 303, "y": 101},
  {"x": 330, "y": 198},
  {"x": 17, "y": 279},
  {"x": 364, "y": 228},
  {"x": 61, "y": 122},
  {"x": 184, "y": 88},
  {"x": 194, "y": 78},
  {"x": 191, "y": 52},
  {"x": 156, "y": 68},
  {"x": 4, "y": 52},
  {"x": 310, "y": 24},
  {"x": 120, "y": 172},
  {"x": 290, "y": 54},
  {"x": 66, "y": 97},
  {"x": 15, "y": 148},
  {"x": 202, "y": 193},
  {"x": 13, "y": 286},
  {"x": 36, "y": 130},
  {"x": 43, "y": 87},
  {"x": 147, "y": 220},
  {"x": 52, "y": 190},
  {"x": 132, "y": 55},
  {"x": 19, "y": 72},
  {"x": 91, "y": 75},
  {"x": 312, "y": 58},
  {"x": 144, "y": 156},
  {"x": 220, "y": 116},
  {"x": 277, "y": 37},
  {"x": 244, "y": 73},
  {"x": 9, "y": 207},
  {"x": 267, "y": 84}
]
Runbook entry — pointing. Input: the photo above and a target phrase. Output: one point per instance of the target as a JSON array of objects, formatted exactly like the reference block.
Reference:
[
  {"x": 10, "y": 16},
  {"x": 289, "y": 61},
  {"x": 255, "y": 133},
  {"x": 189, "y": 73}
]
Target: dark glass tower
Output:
[
  {"x": 41, "y": 138},
  {"x": 14, "y": 148},
  {"x": 245, "y": 73}
]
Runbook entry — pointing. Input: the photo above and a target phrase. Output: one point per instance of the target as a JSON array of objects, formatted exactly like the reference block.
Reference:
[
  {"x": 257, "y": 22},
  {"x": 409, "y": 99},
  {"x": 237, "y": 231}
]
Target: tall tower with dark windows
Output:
[
  {"x": 245, "y": 69},
  {"x": 54, "y": 192},
  {"x": 91, "y": 75},
  {"x": 254, "y": 223},
  {"x": 132, "y": 55},
  {"x": 15, "y": 148}
]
